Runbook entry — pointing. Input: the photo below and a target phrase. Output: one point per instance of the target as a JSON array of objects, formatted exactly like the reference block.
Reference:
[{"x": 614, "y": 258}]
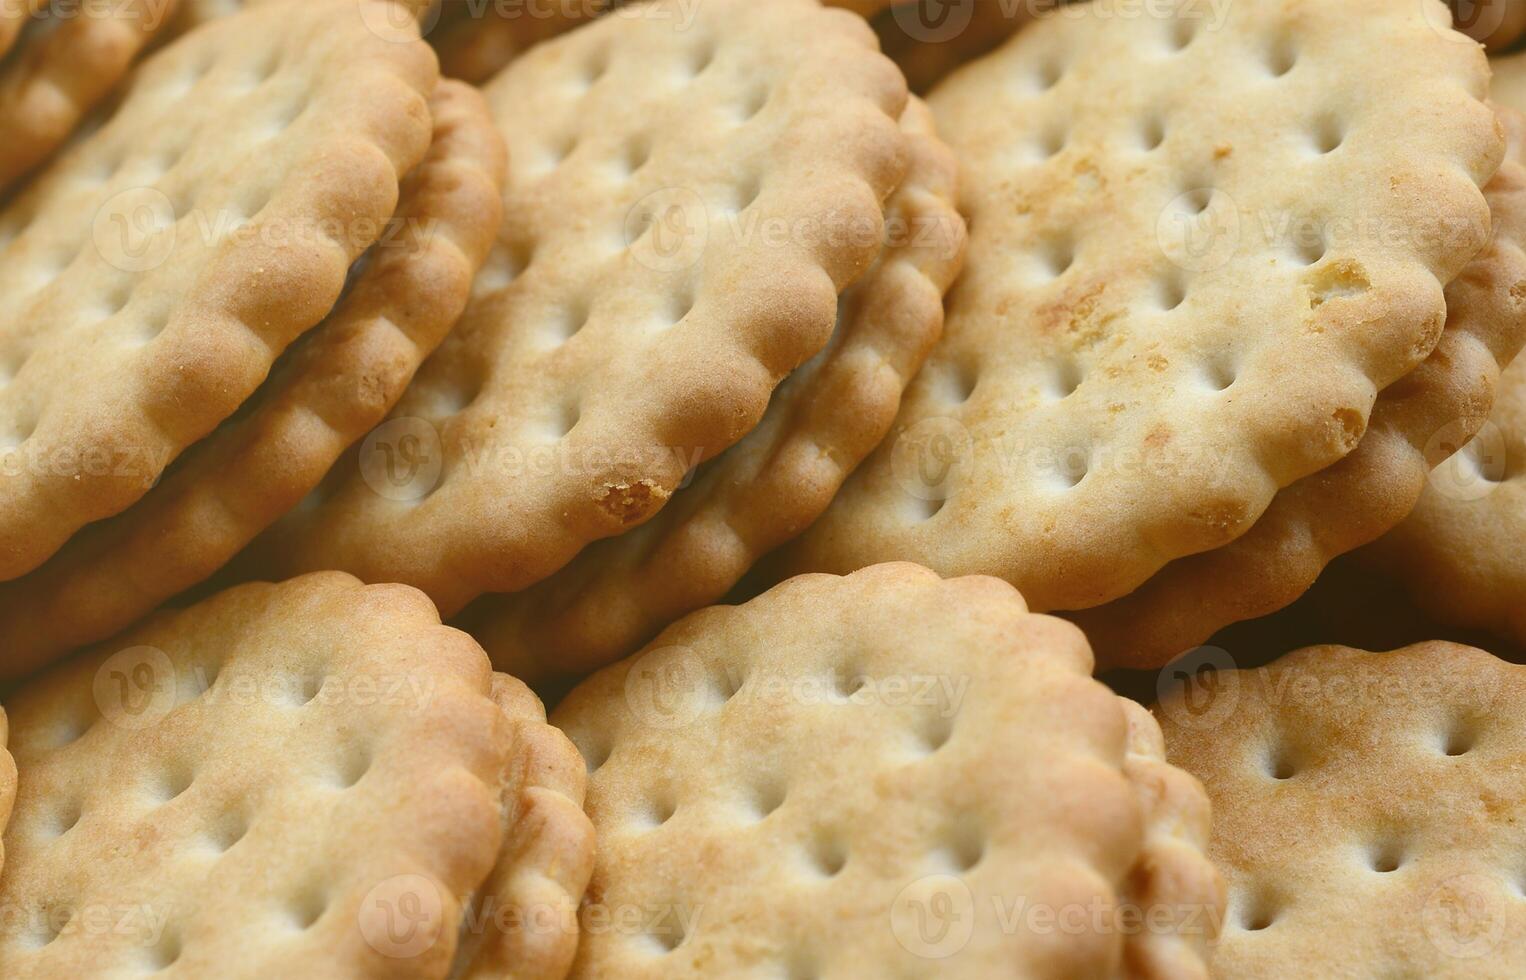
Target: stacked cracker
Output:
[{"x": 1149, "y": 317}]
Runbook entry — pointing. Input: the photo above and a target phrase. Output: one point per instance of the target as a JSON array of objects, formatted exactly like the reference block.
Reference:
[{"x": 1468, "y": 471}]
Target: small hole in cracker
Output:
[
  {"x": 1180, "y": 34},
  {"x": 703, "y": 57},
  {"x": 67, "y": 818},
  {"x": 1308, "y": 247},
  {"x": 965, "y": 847},
  {"x": 1279, "y": 764},
  {"x": 228, "y": 831},
  {"x": 1170, "y": 291},
  {"x": 1152, "y": 133},
  {"x": 1280, "y": 57},
  {"x": 174, "y": 782},
  {"x": 958, "y": 383},
  {"x": 352, "y": 767},
  {"x": 1327, "y": 135},
  {"x": 1049, "y": 142},
  {"x": 659, "y": 811},
  {"x": 1457, "y": 741},
  {"x": 925, "y": 509},
  {"x": 637, "y": 152},
  {"x": 936, "y": 731},
  {"x": 752, "y": 104},
  {"x": 1071, "y": 465},
  {"x": 1386, "y": 857},
  {"x": 829, "y": 854},
  {"x": 848, "y": 683},
  {"x": 667, "y": 932},
  {"x": 1065, "y": 379},
  {"x": 163, "y": 954},
  {"x": 1057, "y": 256},
  {"x": 54, "y": 919},
  {"x": 1218, "y": 376},
  {"x": 1047, "y": 76},
  {"x": 308, "y": 907},
  {"x": 767, "y": 797},
  {"x": 1257, "y": 912},
  {"x": 594, "y": 754}
]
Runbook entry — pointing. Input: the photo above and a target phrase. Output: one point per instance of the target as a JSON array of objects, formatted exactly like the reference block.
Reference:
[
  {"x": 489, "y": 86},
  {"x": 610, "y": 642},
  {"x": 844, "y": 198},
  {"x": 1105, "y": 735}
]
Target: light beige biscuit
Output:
[
  {"x": 1416, "y": 423},
  {"x": 861, "y": 776},
  {"x": 304, "y": 779},
  {"x": 1365, "y": 810},
  {"x": 152, "y": 274},
  {"x": 523, "y": 921},
  {"x": 686, "y": 199},
  {"x": 331, "y": 387},
  {"x": 68, "y": 58},
  {"x": 821, "y": 422},
  {"x": 1199, "y": 247}
]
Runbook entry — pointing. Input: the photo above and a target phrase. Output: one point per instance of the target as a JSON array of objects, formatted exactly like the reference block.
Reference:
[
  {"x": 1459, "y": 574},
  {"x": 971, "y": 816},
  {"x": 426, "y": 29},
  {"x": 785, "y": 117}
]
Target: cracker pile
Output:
[{"x": 845, "y": 416}]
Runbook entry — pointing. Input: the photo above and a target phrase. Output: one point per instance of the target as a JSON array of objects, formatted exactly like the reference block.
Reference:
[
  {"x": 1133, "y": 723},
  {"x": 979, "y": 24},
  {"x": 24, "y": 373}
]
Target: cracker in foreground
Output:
[
  {"x": 150, "y": 276},
  {"x": 859, "y": 776},
  {"x": 821, "y": 422},
  {"x": 313, "y": 777},
  {"x": 1366, "y": 810},
  {"x": 1177, "y": 298},
  {"x": 685, "y": 201},
  {"x": 1416, "y": 423},
  {"x": 324, "y": 395}
]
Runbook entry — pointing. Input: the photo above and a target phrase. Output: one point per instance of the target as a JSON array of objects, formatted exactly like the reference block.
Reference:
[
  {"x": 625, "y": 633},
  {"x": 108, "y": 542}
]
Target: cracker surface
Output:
[
  {"x": 1416, "y": 423},
  {"x": 686, "y": 199},
  {"x": 150, "y": 277},
  {"x": 1365, "y": 810},
  {"x": 328, "y": 390},
  {"x": 1199, "y": 248},
  {"x": 860, "y": 774},
  {"x": 259, "y": 785},
  {"x": 821, "y": 422}
]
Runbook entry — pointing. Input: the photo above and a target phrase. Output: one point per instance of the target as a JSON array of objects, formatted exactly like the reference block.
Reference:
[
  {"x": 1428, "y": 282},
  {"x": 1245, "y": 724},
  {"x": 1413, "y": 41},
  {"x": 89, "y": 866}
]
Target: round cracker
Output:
[
  {"x": 1198, "y": 250},
  {"x": 1365, "y": 810},
  {"x": 303, "y": 779},
  {"x": 792, "y": 786},
  {"x": 821, "y": 423},
  {"x": 686, "y": 199},
  {"x": 150, "y": 277},
  {"x": 1416, "y": 422},
  {"x": 331, "y": 387}
]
